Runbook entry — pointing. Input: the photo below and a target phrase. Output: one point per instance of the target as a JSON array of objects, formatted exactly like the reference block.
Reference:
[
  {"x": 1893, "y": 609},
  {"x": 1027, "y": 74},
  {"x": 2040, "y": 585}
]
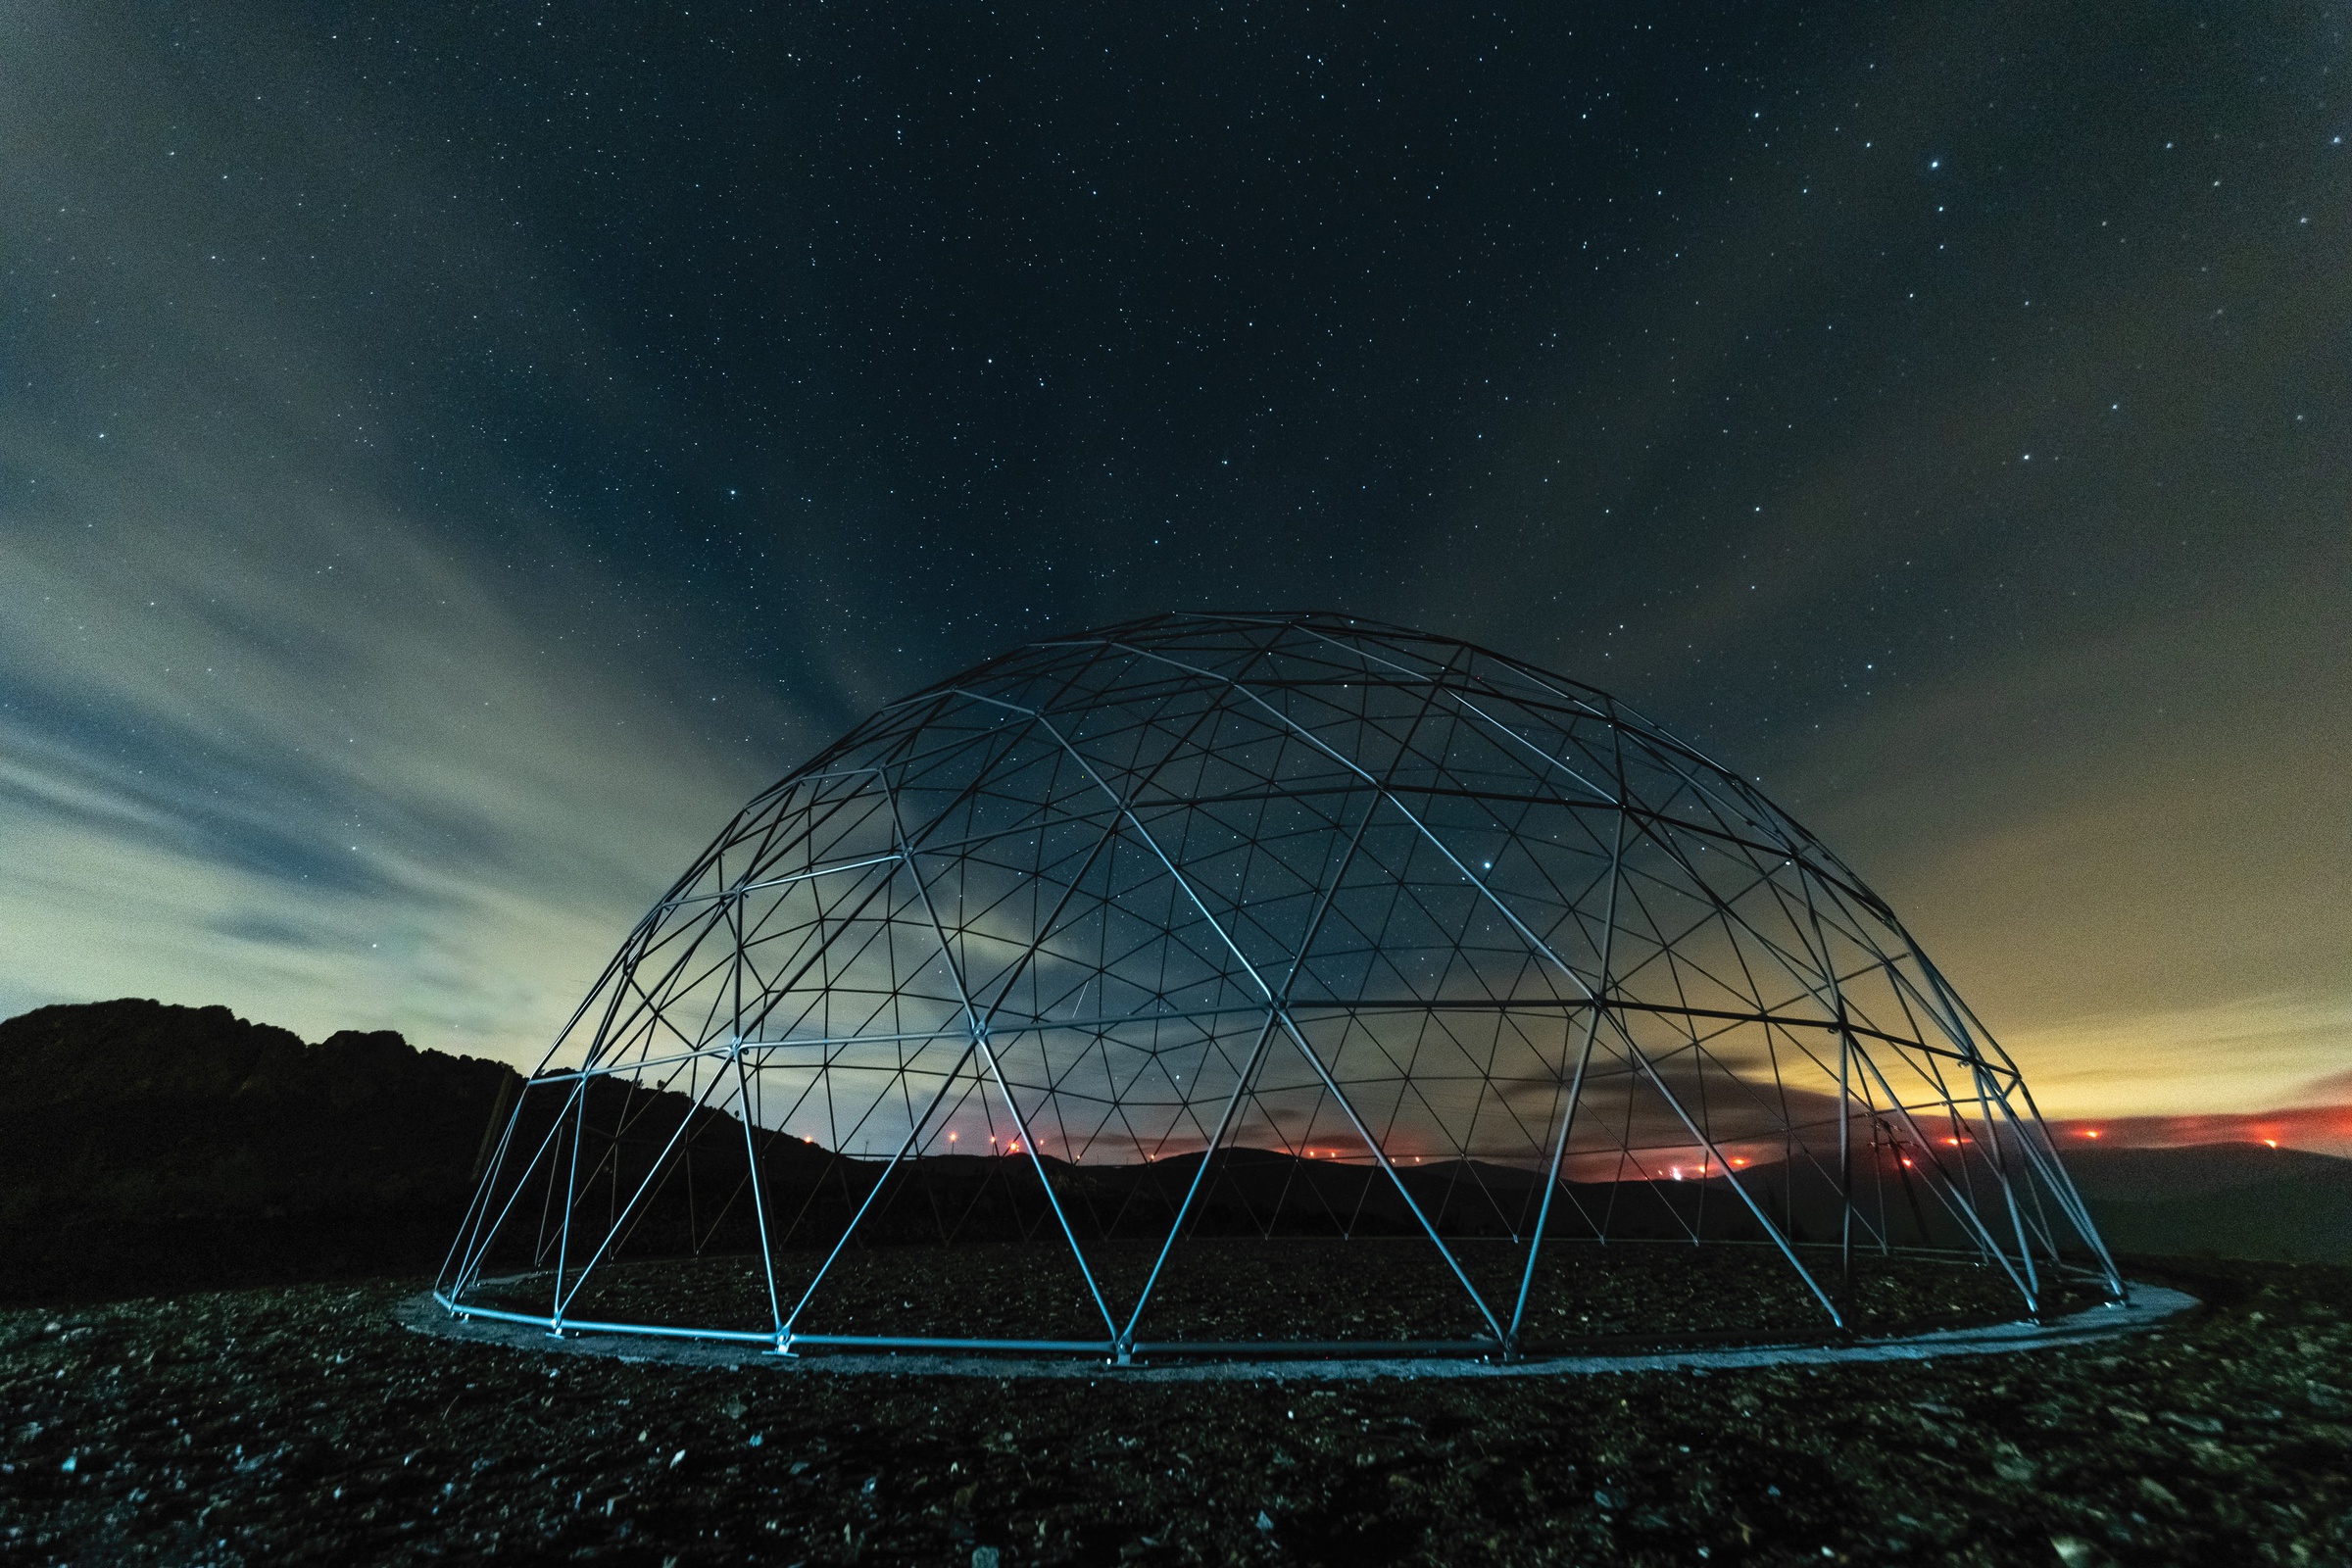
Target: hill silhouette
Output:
[
  {"x": 2242, "y": 1201},
  {"x": 147, "y": 1147}
]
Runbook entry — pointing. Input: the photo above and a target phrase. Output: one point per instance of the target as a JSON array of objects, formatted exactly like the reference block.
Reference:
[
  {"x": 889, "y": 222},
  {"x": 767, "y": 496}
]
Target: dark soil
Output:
[{"x": 302, "y": 1425}]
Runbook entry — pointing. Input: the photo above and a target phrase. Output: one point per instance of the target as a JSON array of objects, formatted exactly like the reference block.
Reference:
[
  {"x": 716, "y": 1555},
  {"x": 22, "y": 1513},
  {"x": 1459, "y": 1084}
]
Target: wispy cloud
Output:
[
  {"x": 336, "y": 781},
  {"x": 276, "y": 729}
]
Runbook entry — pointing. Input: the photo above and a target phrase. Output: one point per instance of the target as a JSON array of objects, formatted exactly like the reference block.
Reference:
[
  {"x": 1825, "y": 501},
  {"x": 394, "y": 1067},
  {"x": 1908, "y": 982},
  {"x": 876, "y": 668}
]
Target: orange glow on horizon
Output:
[{"x": 2319, "y": 1129}]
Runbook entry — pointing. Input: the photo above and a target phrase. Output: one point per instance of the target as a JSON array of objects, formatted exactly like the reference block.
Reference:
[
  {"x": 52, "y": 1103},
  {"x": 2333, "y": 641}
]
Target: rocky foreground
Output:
[{"x": 303, "y": 1425}]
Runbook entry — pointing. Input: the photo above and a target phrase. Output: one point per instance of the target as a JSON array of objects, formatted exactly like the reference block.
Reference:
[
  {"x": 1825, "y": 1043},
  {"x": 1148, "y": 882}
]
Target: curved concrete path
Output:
[{"x": 2146, "y": 1306}]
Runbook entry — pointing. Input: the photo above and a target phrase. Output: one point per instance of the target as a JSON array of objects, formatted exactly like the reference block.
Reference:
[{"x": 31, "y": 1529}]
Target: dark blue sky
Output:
[{"x": 448, "y": 458}]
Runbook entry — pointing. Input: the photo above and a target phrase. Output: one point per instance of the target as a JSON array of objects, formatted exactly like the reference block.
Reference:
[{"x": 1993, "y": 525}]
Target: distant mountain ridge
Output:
[
  {"x": 147, "y": 1147},
  {"x": 2241, "y": 1200},
  {"x": 136, "y": 1110},
  {"x": 144, "y": 1143}
]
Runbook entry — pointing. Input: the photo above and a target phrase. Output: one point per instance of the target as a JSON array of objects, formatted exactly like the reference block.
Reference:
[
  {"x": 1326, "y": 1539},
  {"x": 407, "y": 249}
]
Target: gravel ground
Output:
[{"x": 303, "y": 1425}]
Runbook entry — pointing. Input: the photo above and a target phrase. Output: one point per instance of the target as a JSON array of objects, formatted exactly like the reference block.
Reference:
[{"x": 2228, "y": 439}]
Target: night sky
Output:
[{"x": 450, "y": 458}]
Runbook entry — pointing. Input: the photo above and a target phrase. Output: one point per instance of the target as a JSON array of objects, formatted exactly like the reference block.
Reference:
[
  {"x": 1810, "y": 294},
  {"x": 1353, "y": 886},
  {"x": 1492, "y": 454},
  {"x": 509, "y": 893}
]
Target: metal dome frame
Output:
[{"x": 1408, "y": 914}]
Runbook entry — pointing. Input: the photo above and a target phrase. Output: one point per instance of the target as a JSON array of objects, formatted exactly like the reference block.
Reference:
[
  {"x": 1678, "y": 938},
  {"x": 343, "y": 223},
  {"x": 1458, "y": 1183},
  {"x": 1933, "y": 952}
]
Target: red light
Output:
[
  {"x": 2272, "y": 1141},
  {"x": 2091, "y": 1131},
  {"x": 1906, "y": 1162}
]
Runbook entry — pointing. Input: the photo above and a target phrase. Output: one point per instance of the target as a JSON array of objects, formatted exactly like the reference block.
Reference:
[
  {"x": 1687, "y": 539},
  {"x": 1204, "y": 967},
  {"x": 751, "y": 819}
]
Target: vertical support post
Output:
[
  {"x": 623, "y": 1211},
  {"x": 1124, "y": 1341},
  {"x": 1846, "y": 1150},
  {"x": 914, "y": 1131},
  {"x": 751, "y": 1155},
  {"x": 1971, "y": 1223},
  {"x": 572, "y": 1178},
  {"x": 1576, "y": 1088},
  {"x": 1641, "y": 1059},
  {"x": 1037, "y": 1163},
  {"x": 1380, "y": 1155},
  {"x": 478, "y": 1246},
  {"x": 1999, "y": 1160},
  {"x": 979, "y": 1030},
  {"x": 1257, "y": 1052}
]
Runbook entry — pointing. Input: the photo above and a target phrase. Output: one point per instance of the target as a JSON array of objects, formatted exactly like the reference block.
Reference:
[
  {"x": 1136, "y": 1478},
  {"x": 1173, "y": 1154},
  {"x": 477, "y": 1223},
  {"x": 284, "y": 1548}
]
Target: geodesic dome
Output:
[{"x": 1135, "y": 978}]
